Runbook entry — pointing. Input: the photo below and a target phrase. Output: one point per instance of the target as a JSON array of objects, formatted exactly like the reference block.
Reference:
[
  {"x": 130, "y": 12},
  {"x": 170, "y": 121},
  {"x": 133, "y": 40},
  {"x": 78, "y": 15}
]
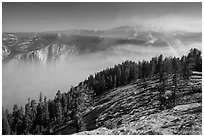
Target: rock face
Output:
[
  {"x": 177, "y": 121},
  {"x": 135, "y": 110},
  {"x": 48, "y": 46},
  {"x": 36, "y": 47},
  {"x": 49, "y": 53},
  {"x": 5, "y": 52}
]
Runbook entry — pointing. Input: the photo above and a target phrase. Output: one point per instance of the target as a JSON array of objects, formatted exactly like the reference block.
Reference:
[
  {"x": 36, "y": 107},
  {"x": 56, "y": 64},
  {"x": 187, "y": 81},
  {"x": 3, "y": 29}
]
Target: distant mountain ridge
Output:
[{"x": 50, "y": 46}]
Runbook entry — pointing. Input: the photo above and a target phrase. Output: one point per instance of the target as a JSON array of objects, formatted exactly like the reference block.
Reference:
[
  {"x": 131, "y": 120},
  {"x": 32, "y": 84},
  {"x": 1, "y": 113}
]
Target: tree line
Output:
[
  {"x": 47, "y": 116},
  {"x": 130, "y": 71}
]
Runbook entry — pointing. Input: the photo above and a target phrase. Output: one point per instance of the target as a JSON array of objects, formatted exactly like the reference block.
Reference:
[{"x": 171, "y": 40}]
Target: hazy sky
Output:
[{"x": 25, "y": 17}]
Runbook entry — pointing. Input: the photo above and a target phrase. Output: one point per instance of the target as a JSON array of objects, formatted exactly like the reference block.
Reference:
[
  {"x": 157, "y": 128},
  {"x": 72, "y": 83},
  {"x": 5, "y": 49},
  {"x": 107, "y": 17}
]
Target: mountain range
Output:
[{"x": 53, "y": 45}]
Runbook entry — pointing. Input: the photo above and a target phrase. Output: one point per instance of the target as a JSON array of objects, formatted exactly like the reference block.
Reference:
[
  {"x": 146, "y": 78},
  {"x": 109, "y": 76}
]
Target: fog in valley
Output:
[
  {"x": 24, "y": 79},
  {"x": 178, "y": 25},
  {"x": 95, "y": 68}
]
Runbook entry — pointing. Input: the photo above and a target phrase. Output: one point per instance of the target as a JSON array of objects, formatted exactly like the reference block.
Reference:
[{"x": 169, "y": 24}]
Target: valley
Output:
[{"x": 125, "y": 96}]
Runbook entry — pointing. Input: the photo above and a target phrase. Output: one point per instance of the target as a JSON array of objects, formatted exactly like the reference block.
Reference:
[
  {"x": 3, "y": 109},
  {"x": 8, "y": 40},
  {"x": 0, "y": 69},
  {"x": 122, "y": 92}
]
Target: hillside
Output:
[
  {"x": 101, "y": 68},
  {"x": 134, "y": 109},
  {"x": 160, "y": 96}
]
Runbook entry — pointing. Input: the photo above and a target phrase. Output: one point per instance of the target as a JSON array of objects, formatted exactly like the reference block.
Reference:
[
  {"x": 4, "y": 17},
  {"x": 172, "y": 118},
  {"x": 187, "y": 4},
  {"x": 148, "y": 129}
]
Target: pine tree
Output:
[
  {"x": 139, "y": 70},
  {"x": 115, "y": 81},
  {"x": 58, "y": 107},
  {"x": 118, "y": 76},
  {"x": 33, "y": 115},
  {"x": 59, "y": 95},
  {"x": 175, "y": 70},
  {"x": 52, "y": 110},
  {"x": 46, "y": 116},
  {"x": 39, "y": 115},
  {"x": 64, "y": 103},
  {"x": 15, "y": 119},
  {"x": 144, "y": 70},
  {"x": 162, "y": 77},
  {"x": 21, "y": 122},
  {"x": 28, "y": 120},
  {"x": 153, "y": 66},
  {"x": 83, "y": 101},
  {"x": 167, "y": 65},
  {"x": 6, "y": 130},
  {"x": 198, "y": 62},
  {"x": 186, "y": 69},
  {"x": 159, "y": 66},
  {"x": 18, "y": 120}
]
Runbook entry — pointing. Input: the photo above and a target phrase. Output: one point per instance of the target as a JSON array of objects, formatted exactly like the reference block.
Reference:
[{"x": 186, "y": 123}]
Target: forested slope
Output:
[
  {"x": 135, "y": 109},
  {"x": 114, "y": 97}
]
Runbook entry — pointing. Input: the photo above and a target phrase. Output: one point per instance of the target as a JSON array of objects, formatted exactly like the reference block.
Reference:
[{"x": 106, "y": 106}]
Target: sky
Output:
[{"x": 38, "y": 17}]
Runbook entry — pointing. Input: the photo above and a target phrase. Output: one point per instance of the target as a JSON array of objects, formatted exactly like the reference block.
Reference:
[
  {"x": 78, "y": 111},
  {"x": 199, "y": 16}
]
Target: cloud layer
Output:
[{"x": 178, "y": 22}]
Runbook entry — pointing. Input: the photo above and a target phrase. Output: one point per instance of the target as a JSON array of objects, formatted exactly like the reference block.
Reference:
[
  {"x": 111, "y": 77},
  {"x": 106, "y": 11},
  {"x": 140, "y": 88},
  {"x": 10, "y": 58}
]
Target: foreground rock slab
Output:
[{"x": 180, "y": 120}]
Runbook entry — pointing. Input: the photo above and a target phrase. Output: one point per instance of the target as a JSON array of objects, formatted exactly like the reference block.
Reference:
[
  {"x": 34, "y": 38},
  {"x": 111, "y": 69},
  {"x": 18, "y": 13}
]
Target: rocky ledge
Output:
[{"x": 180, "y": 120}]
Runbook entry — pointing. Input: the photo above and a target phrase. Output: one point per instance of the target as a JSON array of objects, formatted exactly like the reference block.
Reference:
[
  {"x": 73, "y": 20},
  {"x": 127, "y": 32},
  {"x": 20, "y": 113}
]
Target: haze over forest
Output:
[{"x": 124, "y": 31}]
